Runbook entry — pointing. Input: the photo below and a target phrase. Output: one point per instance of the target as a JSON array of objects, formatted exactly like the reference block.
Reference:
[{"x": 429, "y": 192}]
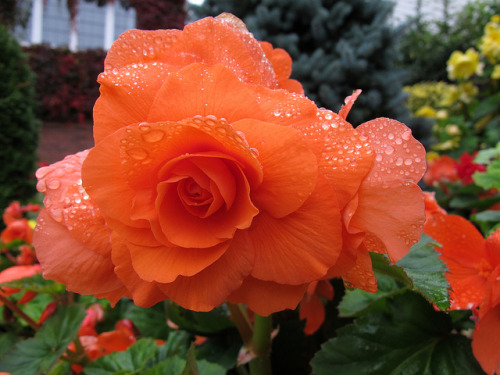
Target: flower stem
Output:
[
  {"x": 261, "y": 346},
  {"x": 242, "y": 322},
  {"x": 15, "y": 309}
]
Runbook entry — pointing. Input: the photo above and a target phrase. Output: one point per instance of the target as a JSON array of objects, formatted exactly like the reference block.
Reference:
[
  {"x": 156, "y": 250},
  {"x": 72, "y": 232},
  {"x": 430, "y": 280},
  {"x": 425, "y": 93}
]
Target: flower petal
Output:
[
  {"x": 392, "y": 218},
  {"x": 486, "y": 341},
  {"x": 211, "y": 286},
  {"x": 344, "y": 154},
  {"x": 302, "y": 246},
  {"x": 127, "y": 94},
  {"x": 71, "y": 262},
  {"x": 312, "y": 310},
  {"x": 461, "y": 242},
  {"x": 267, "y": 297},
  {"x": 145, "y": 294},
  {"x": 184, "y": 229},
  {"x": 290, "y": 168},
  {"x": 399, "y": 156},
  {"x": 164, "y": 265}
]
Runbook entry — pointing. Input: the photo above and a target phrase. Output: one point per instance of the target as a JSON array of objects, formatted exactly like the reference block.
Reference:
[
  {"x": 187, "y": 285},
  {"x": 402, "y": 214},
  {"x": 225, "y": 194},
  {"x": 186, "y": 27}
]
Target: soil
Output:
[{"x": 59, "y": 139}]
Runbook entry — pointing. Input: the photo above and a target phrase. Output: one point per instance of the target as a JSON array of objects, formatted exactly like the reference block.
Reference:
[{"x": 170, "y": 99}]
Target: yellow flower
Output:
[
  {"x": 463, "y": 65},
  {"x": 467, "y": 91},
  {"x": 496, "y": 72},
  {"x": 426, "y": 111},
  {"x": 490, "y": 42}
]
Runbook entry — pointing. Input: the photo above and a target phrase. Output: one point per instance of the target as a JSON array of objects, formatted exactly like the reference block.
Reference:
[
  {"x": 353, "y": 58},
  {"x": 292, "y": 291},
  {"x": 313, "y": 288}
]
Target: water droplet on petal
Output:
[
  {"x": 54, "y": 184},
  {"x": 153, "y": 136},
  {"x": 389, "y": 150},
  {"x": 137, "y": 153}
]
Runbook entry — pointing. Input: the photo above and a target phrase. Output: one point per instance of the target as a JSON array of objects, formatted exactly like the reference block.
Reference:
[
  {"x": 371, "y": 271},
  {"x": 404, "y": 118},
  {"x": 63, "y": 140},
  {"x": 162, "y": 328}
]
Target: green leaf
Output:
[
  {"x": 490, "y": 178},
  {"x": 412, "y": 338},
  {"x": 427, "y": 272},
  {"x": 7, "y": 341},
  {"x": 144, "y": 355},
  {"x": 37, "y": 355},
  {"x": 487, "y": 155},
  {"x": 139, "y": 356},
  {"x": 37, "y": 283},
  {"x": 150, "y": 322},
  {"x": 199, "y": 322},
  {"x": 170, "y": 366},
  {"x": 488, "y": 216},
  {"x": 221, "y": 349},
  {"x": 177, "y": 345},
  {"x": 357, "y": 302},
  {"x": 421, "y": 270}
]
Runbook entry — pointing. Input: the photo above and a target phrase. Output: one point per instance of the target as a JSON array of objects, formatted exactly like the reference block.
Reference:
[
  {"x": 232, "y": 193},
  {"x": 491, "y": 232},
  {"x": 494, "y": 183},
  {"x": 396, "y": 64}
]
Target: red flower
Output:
[
  {"x": 440, "y": 169},
  {"x": 12, "y": 213},
  {"x": 466, "y": 168},
  {"x": 17, "y": 229},
  {"x": 27, "y": 255}
]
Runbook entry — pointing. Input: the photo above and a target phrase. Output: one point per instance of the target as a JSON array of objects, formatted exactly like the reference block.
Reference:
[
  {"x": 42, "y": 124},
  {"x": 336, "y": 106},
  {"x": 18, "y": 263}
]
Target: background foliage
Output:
[
  {"x": 425, "y": 46},
  {"x": 18, "y": 125}
]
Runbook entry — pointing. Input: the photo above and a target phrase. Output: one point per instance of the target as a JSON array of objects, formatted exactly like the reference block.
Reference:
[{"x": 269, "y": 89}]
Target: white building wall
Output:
[{"x": 431, "y": 9}]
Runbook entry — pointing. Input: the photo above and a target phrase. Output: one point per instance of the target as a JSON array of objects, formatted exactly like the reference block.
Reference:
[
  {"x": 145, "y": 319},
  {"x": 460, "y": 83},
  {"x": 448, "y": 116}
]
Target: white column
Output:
[
  {"x": 109, "y": 24},
  {"x": 73, "y": 36},
  {"x": 36, "y": 21}
]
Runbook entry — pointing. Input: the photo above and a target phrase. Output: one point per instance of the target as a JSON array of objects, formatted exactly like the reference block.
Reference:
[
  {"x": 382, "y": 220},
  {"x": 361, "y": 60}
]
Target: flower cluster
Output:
[
  {"x": 17, "y": 249},
  {"x": 465, "y": 112},
  {"x": 474, "y": 277},
  {"x": 213, "y": 178}
]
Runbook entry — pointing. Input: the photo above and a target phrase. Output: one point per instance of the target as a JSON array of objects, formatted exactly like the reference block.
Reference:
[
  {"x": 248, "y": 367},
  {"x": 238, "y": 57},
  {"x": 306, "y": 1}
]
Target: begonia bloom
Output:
[
  {"x": 474, "y": 277},
  {"x": 213, "y": 179}
]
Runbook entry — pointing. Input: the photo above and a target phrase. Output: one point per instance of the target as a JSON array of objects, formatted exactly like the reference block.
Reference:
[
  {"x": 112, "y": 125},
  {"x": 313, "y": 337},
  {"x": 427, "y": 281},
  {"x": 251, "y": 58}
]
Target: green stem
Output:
[
  {"x": 242, "y": 322},
  {"x": 261, "y": 346},
  {"x": 15, "y": 309}
]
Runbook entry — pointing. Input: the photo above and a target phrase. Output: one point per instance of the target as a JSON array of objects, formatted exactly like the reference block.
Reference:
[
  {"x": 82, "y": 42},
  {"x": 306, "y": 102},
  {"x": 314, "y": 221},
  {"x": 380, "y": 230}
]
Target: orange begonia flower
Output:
[
  {"x": 17, "y": 229},
  {"x": 213, "y": 180},
  {"x": 474, "y": 277}
]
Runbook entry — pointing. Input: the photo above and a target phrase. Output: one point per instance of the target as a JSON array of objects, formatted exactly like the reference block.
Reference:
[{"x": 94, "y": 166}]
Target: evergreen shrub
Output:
[{"x": 19, "y": 128}]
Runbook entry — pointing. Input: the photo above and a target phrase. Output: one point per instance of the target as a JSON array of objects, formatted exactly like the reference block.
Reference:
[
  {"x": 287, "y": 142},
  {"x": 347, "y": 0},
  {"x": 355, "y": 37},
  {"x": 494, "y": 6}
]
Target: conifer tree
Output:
[{"x": 337, "y": 47}]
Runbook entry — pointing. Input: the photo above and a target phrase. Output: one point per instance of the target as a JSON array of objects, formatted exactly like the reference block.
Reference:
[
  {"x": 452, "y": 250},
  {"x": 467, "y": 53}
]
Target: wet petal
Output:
[
  {"x": 302, "y": 246},
  {"x": 71, "y": 262},
  {"x": 266, "y": 297},
  {"x": 486, "y": 341},
  {"x": 290, "y": 168},
  {"x": 210, "y": 287}
]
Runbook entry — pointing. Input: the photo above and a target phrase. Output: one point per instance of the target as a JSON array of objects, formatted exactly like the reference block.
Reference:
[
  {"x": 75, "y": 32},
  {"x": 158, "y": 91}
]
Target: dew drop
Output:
[
  {"x": 399, "y": 161},
  {"x": 406, "y": 135},
  {"x": 390, "y": 136},
  {"x": 54, "y": 184},
  {"x": 408, "y": 162},
  {"x": 137, "y": 153},
  {"x": 153, "y": 136},
  {"x": 389, "y": 150},
  {"x": 378, "y": 157}
]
